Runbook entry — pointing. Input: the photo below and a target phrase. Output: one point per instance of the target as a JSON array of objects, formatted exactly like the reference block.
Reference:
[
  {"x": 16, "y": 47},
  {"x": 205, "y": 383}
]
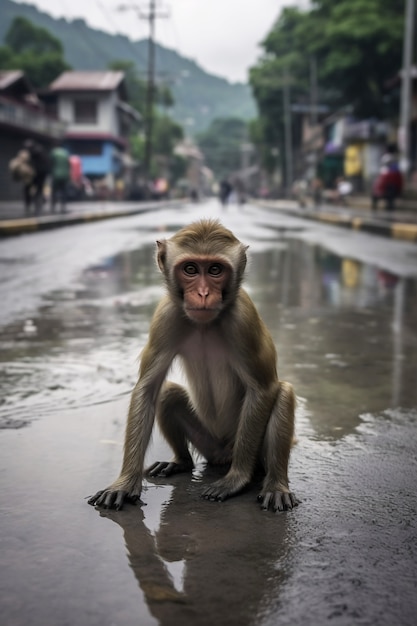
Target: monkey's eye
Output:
[
  {"x": 215, "y": 270},
  {"x": 190, "y": 269}
]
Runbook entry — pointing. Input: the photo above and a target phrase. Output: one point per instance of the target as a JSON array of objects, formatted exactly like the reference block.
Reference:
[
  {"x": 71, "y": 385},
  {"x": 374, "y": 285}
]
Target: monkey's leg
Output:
[
  {"x": 278, "y": 439},
  {"x": 180, "y": 426}
]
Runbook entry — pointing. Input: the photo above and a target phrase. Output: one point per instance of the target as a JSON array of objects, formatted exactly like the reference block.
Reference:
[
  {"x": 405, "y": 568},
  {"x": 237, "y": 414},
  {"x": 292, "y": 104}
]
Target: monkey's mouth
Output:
[{"x": 201, "y": 315}]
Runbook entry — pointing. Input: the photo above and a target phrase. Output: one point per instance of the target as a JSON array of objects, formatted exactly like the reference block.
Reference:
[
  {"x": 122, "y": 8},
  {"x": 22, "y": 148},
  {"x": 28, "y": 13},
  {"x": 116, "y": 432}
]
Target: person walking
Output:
[
  {"x": 21, "y": 169},
  {"x": 33, "y": 189},
  {"x": 225, "y": 191},
  {"x": 389, "y": 183},
  {"x": 60, "y": 175}
]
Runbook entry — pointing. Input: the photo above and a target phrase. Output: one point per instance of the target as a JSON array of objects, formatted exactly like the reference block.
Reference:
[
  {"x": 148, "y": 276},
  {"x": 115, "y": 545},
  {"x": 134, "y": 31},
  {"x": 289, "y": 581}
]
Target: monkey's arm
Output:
[{"x": 156, "y": 359}]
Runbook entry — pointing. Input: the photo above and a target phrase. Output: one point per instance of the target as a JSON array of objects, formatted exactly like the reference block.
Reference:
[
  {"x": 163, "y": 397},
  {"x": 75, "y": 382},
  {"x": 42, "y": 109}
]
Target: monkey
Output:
[{"x": 236, "y": 411}]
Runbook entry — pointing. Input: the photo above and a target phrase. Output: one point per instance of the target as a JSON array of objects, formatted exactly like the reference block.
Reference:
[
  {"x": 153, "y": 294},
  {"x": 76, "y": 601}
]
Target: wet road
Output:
[{"x": 342, "y": 307}]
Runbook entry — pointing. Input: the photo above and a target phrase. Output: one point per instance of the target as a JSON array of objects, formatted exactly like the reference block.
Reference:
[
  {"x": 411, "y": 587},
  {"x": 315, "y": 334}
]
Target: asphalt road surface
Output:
[{"x": 75, "y": 310}]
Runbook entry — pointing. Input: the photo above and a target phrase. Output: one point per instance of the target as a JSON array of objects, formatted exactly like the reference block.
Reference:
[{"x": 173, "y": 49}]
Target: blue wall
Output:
[{"x": 100, "y": 165}]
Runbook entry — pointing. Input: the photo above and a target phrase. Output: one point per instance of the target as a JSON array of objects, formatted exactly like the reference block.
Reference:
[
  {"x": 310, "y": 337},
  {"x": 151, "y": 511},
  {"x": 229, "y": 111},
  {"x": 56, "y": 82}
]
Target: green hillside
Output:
[{"x": 199, "y": 96}]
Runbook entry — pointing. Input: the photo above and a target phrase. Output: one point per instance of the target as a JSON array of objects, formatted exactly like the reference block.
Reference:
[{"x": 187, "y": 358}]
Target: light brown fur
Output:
[{"x": 236, "y": 412}]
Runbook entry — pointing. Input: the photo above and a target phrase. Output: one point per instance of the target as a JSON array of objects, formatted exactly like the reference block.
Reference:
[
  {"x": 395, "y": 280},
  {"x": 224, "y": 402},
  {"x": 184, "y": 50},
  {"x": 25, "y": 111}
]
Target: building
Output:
[
  {"x": 22, "y": 116},
  {"x": 342, "y": 146},
  {"x": 99, "y": 121}
]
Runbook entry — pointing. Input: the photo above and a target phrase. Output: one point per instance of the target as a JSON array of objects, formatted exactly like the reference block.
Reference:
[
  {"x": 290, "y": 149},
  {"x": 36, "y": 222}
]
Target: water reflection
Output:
[
  {"x": 345, "y": 332},
  {"x": 194, "y": 561},
  {"x": 82, "y": 346}
]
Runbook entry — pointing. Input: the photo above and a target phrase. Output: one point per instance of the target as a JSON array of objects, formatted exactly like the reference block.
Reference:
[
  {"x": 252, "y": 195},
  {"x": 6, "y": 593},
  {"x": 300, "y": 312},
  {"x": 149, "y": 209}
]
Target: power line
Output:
[{"x": 126, "y": 40}]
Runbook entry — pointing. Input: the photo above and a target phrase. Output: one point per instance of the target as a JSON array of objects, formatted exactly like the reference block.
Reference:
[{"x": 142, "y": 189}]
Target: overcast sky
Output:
[{"x": 222, "y": 36}]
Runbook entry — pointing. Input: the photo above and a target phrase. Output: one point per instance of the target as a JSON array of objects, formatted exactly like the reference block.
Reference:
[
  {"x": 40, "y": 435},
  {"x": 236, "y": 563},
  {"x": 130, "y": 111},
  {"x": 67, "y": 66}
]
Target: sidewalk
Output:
[
  {"x": 13, "y": 220},
  {"x": 396, "y": 225}
]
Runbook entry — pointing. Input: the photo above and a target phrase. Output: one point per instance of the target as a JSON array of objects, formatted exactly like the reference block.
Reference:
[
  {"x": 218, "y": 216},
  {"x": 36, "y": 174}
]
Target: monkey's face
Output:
[{"x": 202, "y": 283}]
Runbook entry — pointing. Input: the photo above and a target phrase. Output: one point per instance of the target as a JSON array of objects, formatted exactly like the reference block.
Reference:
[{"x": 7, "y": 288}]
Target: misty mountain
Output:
[{"x": 199, "y": 96}]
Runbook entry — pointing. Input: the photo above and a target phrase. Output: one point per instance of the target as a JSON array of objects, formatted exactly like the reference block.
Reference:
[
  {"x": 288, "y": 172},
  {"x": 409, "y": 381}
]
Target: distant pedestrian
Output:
[
  {"x": 60, "y": 176},
  {"x": 344, "y": 190},
  {"x": 317, "y": 191},
  {"x": 33, "y": 190},
  {"x": 389, "y": 183},
  {"x": 225, "y": 191},
  {"x": 21, "y": 169},
  {"x": 387, "y": 186},
  {"x": 300, "y": 192}
]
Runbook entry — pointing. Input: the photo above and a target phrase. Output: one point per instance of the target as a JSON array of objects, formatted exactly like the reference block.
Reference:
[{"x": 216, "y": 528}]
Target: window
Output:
[{"x": 85, "y": 111}]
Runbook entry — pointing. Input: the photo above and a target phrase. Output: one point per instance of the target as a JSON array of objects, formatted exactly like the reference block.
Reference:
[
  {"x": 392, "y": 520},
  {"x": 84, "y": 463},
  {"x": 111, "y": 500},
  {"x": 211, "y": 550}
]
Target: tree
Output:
[
  {"x": 284, "y": 62},
  {"x": 357, "y": 47},
  {"x": 33, "y": 50},
  {"x": 23, "y": 36},
  {"x": 360, "y": 51},
  {"x": 135, "y": 86},
  {"x": 167, "y": 134},
  {"x": 221, "y": 145}
]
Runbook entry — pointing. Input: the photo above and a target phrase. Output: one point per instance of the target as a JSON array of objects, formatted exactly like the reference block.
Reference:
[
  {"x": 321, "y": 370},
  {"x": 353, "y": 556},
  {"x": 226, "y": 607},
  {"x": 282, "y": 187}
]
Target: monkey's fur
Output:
[{"x": 236, "y": 411}]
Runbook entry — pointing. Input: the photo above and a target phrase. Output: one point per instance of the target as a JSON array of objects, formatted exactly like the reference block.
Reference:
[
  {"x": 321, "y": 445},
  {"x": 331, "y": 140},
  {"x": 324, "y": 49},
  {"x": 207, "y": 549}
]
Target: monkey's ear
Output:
[
  {"x": 161, "y": 254},
  {"x": 242, "y": 261}
]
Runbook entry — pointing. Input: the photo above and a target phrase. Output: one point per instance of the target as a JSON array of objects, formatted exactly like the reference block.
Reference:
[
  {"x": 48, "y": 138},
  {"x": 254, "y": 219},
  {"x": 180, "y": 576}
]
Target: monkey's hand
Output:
[
  {"x": 226, "y": 487},
  {"x": 117, "y": 494},
  {"x": 277, "y": 501},
  {"x": 166, "y": 468}
]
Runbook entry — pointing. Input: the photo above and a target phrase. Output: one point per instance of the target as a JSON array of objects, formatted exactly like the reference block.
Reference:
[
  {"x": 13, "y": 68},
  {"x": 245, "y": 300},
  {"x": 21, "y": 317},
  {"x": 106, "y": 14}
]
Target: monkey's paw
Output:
[
  {"x": 224, "y": 488},
  {"x": 277, "y": 501},
  {"x": 112, "y": 498},
  {"x": 168, "y": 468}
]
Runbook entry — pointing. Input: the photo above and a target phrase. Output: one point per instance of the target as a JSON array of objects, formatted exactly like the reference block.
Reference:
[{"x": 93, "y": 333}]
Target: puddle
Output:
[{"x": 344, "y": 329}]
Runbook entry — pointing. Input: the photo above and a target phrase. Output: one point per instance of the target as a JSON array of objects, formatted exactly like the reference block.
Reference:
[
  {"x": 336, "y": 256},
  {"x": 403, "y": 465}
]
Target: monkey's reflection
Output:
[{"x": 234, "y": 556}]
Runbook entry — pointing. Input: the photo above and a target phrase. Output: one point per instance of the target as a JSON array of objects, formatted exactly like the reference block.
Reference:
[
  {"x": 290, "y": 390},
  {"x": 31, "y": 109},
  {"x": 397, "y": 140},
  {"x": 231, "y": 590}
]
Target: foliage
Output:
[
  {"x": 33, "y": 50},
  {"x": 137, "y": 87},
  {"x": 23, "y": 36},
  {"x": 221, "y": 145},
  {"x": 167, "y": 134},
  {"x": 178, "y": 166},
  {"x": 360, "y": 51},
  {"x": 357, "y": 48}
]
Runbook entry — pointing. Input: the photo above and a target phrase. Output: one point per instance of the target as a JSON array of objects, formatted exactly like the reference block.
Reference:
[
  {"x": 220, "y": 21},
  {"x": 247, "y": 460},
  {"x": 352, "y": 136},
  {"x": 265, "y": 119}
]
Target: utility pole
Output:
[
  {"x": 150, "y": 91},
  {"x": 313, "y": 91},
  {"x": 406, "y": 79},
  {"x": 149, "y": 14},
  {"x": 287, "y": 133},
  {"x": 314, "y": 113}
]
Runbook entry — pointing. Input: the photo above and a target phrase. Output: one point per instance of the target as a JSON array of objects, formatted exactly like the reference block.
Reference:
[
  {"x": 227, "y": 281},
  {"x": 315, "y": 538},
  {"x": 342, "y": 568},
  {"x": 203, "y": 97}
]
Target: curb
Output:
[
  {"x": 26, "y": 225},
  {"x": 395, "y": 230}
]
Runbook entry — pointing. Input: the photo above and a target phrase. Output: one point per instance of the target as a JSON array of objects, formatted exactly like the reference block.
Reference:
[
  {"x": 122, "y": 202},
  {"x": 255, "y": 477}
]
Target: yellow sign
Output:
[{"x": 353, "y": 161}]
